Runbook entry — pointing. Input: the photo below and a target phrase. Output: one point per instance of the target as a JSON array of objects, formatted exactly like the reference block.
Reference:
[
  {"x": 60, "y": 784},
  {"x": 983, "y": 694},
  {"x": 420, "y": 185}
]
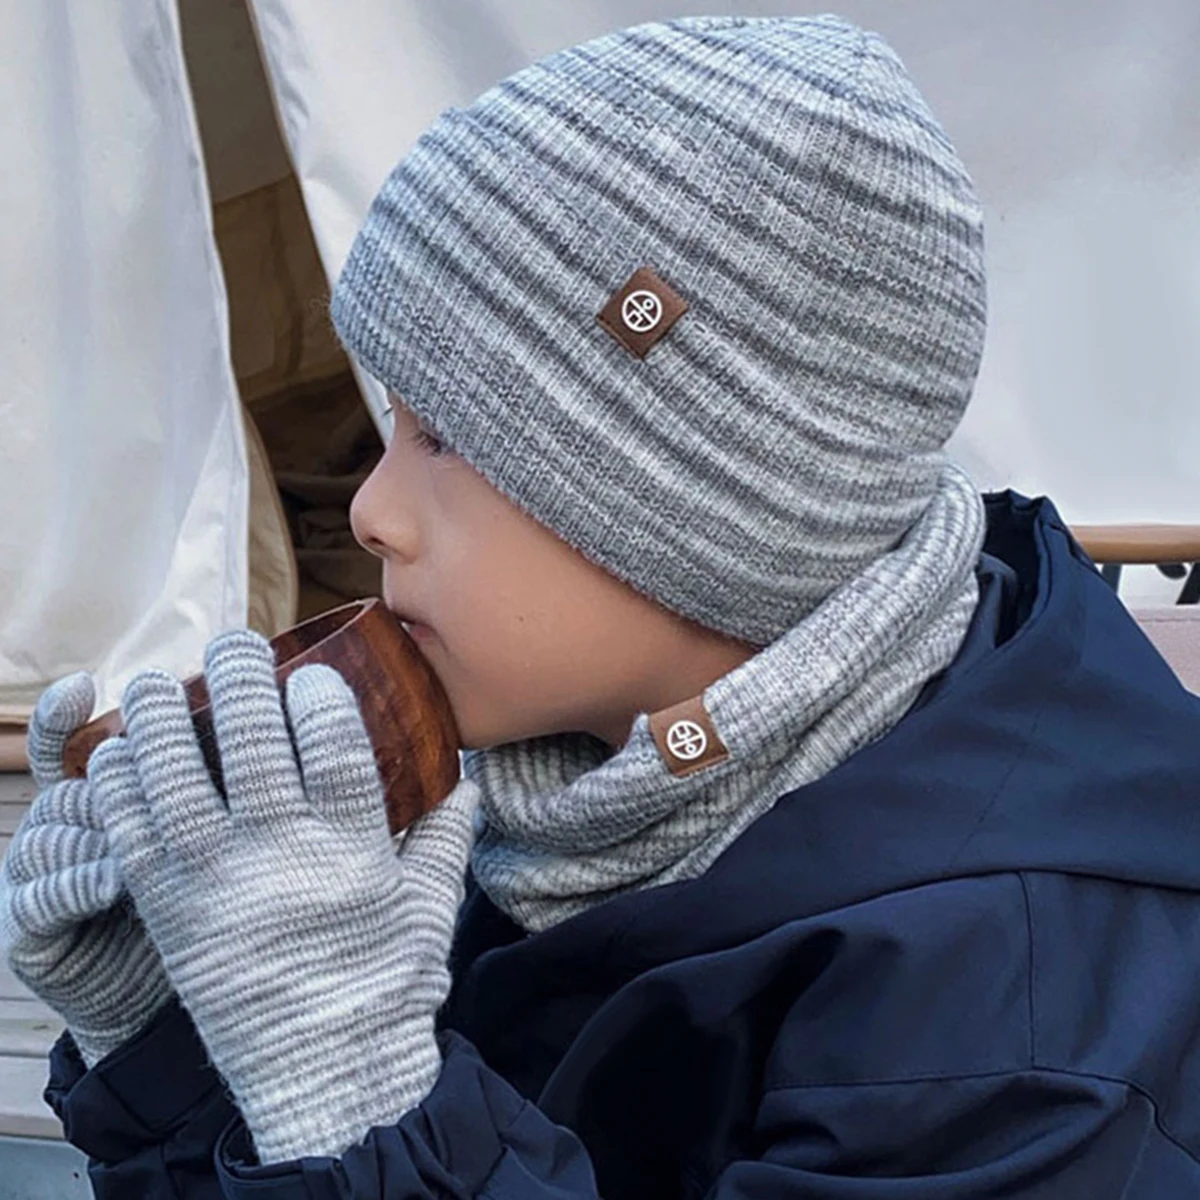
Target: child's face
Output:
[{"x": 526, "y": 635}]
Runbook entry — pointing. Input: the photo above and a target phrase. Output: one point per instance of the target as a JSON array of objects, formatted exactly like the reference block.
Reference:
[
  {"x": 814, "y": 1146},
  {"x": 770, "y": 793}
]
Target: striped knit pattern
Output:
[
  {"x": 784, "y": 176},
  {"x": 569, "y": 824},
  {"x": 62, "y": 708},
  {"x": 311, "y": 955},
  {"x": 70, "y": 934}
]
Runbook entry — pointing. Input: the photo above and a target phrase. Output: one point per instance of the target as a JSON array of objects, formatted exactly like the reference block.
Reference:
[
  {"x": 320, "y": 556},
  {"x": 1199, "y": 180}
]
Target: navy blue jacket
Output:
[{"x": 963, "y": 965}]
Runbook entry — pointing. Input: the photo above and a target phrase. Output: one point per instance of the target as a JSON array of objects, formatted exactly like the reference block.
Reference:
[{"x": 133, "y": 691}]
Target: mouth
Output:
[{"x": 414, "y": 628}]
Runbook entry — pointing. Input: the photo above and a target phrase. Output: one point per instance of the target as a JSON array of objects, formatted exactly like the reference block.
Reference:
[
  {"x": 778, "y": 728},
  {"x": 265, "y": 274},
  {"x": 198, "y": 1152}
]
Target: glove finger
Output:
[
  {"x": 170, "y": 774},
  {"x": 438, "y": 846},
  {"x": 61, "y": 709},
  {"x": 52, "y": 904},
  {"x": 262, "y": 777},
  {"x": 30, "y": 955},
  {"x": 133, "y": 838},
  {"x": 337, "y": 761},
  {"x": 46, "y": 849},
  {"x": 68, "y": 802}
]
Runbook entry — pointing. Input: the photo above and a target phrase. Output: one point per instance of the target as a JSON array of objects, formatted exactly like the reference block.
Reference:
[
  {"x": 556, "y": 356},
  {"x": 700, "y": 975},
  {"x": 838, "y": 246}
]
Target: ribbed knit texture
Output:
[
  {"x": 785, "y": 177},
  {"x": 311, "y": 955},
  {"x": 70, "y": 934},
  {"x": 570, "y": 824}
]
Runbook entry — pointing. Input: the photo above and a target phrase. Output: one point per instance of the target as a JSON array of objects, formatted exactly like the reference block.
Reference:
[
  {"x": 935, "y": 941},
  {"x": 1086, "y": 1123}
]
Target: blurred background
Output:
[{"x": 182, "y": 435}]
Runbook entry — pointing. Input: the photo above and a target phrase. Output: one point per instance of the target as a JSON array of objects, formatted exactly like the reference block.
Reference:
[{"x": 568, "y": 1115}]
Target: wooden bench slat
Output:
[
  {"x": 28, "y": 1029},
  {"x": 16, "y": 795},
  {"x": 11, "y": 988},
  {"x": 23, "y": 1112},
  {"x": 10, "y": 818},
  {"x": 17, "y": 787}
]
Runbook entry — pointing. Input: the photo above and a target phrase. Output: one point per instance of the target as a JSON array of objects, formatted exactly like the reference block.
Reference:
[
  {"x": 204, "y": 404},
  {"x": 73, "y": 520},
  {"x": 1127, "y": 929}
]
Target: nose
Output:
[{"x": 366, "y": 509}]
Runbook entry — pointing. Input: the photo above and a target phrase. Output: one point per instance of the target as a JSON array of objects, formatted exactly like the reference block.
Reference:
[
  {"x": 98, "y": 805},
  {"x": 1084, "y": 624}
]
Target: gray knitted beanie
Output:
[{"x": 705, "y": 297}]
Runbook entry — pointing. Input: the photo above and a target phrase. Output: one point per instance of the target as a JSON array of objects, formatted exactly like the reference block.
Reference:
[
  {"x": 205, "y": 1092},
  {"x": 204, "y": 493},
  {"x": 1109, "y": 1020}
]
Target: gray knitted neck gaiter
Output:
[{"x": 570, "y": 824}]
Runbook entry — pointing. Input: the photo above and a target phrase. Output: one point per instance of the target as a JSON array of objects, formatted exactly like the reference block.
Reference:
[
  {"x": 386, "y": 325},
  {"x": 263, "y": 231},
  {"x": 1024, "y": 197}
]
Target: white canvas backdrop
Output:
[
  {"x": 1079, "y": 119},
  {"x": 123, "y": 484}
]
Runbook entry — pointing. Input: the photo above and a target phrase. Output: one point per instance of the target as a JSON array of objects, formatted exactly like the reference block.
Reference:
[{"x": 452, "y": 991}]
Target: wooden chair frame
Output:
[{"x": 1174, "y": 549}]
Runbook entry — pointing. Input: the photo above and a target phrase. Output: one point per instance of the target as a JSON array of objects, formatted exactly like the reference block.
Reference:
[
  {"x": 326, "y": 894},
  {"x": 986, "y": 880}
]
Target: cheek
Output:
[
  {"x": 491, "y": 610},
  {"x": 497, "y": 668},
  {"x": 486, "y": 574},
  {"x": 518, "y": 613},
  {"x": 500, "y": 625}
]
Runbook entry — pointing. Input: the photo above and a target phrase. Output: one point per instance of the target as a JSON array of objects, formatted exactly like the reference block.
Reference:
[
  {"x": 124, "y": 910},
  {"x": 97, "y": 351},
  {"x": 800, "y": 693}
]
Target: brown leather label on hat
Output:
[
  {"x": 686, "y": 738},
  {"x": 640, "y": 314}
]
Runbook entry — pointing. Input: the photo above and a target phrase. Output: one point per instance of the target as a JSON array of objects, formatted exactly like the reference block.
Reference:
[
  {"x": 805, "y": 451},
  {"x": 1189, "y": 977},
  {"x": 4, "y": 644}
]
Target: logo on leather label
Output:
[
  {"x": 686, "y": 738},
  {"x": 640, "y": 313}
]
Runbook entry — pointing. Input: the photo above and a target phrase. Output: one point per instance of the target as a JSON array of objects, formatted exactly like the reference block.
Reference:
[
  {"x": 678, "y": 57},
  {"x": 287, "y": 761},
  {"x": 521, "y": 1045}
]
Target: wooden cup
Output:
[{"x": 406, "y": 712}]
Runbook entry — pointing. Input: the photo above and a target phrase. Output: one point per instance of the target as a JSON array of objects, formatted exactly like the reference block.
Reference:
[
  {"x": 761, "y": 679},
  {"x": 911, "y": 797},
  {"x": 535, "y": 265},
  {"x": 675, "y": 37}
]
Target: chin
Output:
[
  {"x": 489, "y": 742},
  {"x": 481, "y": 734},
  {"x": 477, "y": 735}
]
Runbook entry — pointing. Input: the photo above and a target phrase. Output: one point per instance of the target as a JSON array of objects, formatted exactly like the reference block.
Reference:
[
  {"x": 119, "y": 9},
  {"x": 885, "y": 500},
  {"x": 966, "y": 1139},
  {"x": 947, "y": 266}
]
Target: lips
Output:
[{"x": 412, "y": 626}]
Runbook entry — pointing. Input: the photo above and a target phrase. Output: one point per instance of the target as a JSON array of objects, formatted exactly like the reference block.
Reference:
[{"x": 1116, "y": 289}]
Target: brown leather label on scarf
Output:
[
  {"x": 686, "y": 737},
  {"x": 640, "y": 314}
]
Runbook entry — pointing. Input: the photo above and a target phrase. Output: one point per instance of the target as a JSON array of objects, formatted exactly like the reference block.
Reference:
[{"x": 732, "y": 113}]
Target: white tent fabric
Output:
[
  {"x": 123, "y": 479},
  {"x": 1079, "y": 119}
]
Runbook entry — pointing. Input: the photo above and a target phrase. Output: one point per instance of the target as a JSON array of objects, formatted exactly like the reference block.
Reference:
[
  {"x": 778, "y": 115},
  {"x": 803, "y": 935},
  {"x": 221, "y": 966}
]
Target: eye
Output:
[
  {"x": 428, "y": 442},
  {"x": 432, "y": 445}
]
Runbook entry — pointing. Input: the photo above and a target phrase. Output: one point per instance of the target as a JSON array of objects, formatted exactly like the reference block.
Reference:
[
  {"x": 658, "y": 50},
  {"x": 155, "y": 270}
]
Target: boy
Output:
[{"x": 830, "y": 832}]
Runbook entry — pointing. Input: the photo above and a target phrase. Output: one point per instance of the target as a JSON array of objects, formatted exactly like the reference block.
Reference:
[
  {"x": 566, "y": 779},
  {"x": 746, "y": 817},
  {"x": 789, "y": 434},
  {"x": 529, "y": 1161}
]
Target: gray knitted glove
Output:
[
  {"x": 311, "y": 954},
  {"x": 70, "y": 934}
]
